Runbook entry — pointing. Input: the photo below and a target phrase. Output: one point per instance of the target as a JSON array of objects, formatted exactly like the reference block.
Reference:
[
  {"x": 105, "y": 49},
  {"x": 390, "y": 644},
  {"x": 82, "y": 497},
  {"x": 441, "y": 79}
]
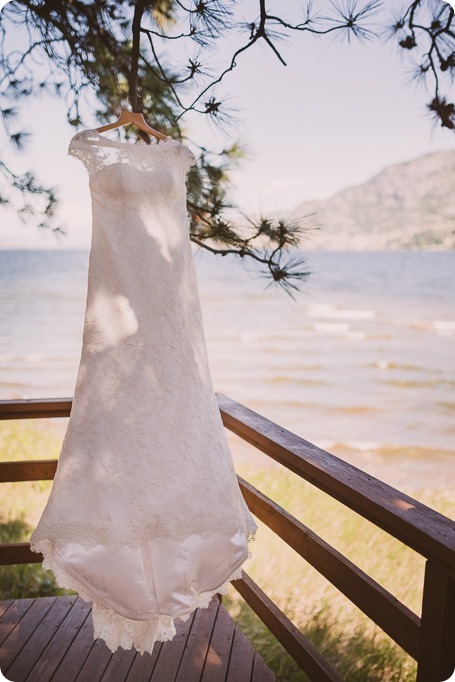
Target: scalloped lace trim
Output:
[
  {"x": 97, "y": 151},
  {"x": 117, "y": 630}
]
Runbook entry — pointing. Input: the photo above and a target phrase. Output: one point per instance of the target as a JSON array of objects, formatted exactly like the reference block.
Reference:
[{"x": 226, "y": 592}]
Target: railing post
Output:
[{"x": 436, "y": 660}]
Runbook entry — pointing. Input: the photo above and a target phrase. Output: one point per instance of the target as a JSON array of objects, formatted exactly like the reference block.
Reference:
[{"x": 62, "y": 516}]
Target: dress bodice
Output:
[
  {"x": 97, "y": 152},
  {"x": 122, "y": 171},
  {"x": 139, "y": 211}
]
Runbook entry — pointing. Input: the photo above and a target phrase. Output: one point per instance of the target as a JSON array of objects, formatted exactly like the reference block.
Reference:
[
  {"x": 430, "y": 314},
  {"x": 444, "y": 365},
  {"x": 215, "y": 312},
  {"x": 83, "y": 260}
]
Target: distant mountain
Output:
[{"x": 406, "y": 206}]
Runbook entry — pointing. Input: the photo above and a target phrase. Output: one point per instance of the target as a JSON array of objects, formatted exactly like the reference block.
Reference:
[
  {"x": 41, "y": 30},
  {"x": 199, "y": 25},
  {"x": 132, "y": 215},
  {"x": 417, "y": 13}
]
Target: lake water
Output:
[{"x": 361, "y": 363}]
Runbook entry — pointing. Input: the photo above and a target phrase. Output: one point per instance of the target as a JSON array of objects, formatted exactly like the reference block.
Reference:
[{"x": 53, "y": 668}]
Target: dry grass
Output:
[{"x": 358, "y": 649}]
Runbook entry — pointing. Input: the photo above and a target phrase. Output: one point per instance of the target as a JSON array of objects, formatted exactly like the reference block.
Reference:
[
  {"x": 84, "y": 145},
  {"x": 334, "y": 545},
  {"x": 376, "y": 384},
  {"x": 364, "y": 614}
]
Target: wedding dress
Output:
[{"x": 145, "y": 518}]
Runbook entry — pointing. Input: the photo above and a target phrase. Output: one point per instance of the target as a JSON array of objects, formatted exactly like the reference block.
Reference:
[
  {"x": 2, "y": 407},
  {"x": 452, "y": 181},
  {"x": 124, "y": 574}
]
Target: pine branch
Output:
[{"x": 93, "y": 48}]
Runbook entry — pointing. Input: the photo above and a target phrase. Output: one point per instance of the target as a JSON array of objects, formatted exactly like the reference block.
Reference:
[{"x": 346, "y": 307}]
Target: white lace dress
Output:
[{"x": 145, "y": 518}]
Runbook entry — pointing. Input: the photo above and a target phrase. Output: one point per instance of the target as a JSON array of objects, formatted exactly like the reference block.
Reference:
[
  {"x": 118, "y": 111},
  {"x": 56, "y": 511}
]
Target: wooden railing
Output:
[{"x": 430, "y": 640}]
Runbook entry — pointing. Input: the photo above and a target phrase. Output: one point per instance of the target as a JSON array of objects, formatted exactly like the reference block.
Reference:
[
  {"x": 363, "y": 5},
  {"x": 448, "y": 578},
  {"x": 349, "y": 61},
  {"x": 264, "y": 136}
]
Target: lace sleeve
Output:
[
  {"x": 80, "y": 150},
  {"x": 187, "y": 158}
]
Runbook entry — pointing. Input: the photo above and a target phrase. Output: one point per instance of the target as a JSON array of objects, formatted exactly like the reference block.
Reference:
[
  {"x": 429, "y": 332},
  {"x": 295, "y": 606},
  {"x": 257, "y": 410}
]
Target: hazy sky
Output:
[{"x": 334, "y": 116}]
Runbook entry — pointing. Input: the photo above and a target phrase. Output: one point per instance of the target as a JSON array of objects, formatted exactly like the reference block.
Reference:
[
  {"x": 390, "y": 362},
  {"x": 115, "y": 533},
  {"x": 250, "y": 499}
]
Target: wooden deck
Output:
[
  {"x": 211, "y": 647},
  {"x": 51, "y": 638}
]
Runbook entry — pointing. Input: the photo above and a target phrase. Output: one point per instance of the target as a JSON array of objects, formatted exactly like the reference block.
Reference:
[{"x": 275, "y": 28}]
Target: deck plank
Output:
[
  {"x": 260, "y": 672},
  {"x": 75, "y": 657},
  {"x": 144, "y": 664},
  {"x": 51, "y": 639},
  {"x": 4, "y": 606},
  {"x": 196, "y": 648},
  {"x": 96, "y": 662},
  {"x": 23, "y": 630},
  {"x": 12, "y": 616},
  {"x": 217, "y": 661},
  {"x": 241, "y": 660},
  {"x": 53, "y": 654},
  {"x": 171, "y": 652},
  {"x": 40, "y": 638},
  {"x": 119, "y": 666}
]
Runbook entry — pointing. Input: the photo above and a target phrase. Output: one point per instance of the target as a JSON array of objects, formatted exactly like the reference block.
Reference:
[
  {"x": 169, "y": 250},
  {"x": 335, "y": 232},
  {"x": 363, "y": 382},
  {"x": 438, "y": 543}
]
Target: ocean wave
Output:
[
  {"x": 387, "y": 364},
  {"x": 331, "y": 327},
  {"x": 444, "y": 327},
  {"x": 385, "y": 449},
  {"x": 35, "y": 358},
  {"x": 440, "y": 327},
  {"x": 355, "y": 336},
  {"x": 419, "y": 383},
  {"x": 355, "y": 409},
  {"x": 446, "y": 405},
  {"x": 342, "y": 329},
  {"x": 257, "y": 403},
  {"x": 286, "y": 379},
  {"x": 249, "y": 337},
  {"x": 363, "y": 446},
  {"x": 296, "y": 368},
  {"x": 329, "y": 311},
  {"x": 401, "y": 452}
]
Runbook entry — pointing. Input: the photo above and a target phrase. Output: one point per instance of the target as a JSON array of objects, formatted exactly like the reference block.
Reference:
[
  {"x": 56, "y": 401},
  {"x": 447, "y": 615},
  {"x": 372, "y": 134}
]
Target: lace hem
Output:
[
  {"x": 88, "y": 535},
  {"x": 117, "y": 630}
]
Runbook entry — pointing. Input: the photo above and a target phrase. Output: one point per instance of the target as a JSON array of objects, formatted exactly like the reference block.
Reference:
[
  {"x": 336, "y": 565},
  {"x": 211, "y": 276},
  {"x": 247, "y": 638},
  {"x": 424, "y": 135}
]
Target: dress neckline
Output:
[{"x": 106, "y": 141}]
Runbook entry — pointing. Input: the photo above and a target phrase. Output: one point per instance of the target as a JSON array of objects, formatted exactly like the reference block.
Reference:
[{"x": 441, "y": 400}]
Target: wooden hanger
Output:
[{"x": 135, "y": 118}]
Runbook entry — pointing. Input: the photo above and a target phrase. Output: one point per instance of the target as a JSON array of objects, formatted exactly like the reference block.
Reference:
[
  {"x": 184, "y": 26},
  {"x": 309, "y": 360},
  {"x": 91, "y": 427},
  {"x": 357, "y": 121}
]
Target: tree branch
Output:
[{"x": 134, "y": 97}]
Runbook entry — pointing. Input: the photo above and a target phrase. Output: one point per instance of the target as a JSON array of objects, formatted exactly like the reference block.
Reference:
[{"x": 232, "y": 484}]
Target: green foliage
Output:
[
  {"x": 25, "y": 580},
  {"x": 22, "y": 505}
]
